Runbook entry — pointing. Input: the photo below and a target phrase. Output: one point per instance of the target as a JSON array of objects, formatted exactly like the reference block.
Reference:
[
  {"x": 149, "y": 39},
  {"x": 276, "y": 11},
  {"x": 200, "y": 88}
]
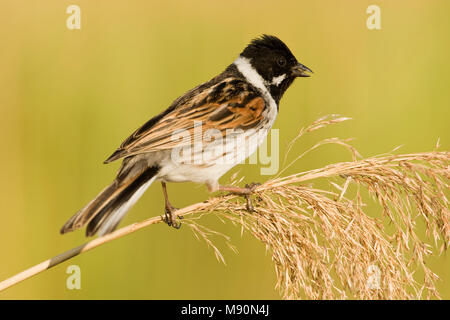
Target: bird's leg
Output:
[
  {"x": 245, "y": 192},
  {"x": 169, "y": 210}
]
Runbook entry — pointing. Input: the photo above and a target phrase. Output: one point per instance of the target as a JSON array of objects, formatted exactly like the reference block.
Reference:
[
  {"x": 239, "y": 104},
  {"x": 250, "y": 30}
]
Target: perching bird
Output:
[{"x": 238, "y": 108}]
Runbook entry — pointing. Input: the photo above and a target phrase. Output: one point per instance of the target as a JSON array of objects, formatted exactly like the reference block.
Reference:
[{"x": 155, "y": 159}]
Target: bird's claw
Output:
[
  {"x": 251, "y": 188},
  {"x": 170, "y": 219}
]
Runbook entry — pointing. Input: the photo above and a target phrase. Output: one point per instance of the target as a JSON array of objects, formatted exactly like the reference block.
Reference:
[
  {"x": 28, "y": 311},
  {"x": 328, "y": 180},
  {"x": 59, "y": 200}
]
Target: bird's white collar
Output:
[{"x": 254, "y": 78}]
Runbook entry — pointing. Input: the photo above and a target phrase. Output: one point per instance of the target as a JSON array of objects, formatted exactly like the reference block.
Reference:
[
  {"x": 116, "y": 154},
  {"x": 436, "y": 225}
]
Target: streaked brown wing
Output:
[{"x": 230, "y": 104}]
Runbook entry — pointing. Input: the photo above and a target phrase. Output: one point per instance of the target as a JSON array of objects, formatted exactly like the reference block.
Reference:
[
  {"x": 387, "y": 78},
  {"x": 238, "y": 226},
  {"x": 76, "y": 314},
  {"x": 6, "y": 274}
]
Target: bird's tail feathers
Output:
[{"x": 105, "y": 211}]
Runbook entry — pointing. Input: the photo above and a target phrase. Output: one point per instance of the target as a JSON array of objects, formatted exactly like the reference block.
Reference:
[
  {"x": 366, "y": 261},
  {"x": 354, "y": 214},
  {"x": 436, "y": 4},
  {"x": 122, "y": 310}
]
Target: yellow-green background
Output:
[{"x": 69, "y": 97}]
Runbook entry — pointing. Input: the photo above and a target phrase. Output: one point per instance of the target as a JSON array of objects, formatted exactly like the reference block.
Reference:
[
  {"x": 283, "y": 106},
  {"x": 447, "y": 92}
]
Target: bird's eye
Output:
[{"x": 281, "y": 61}]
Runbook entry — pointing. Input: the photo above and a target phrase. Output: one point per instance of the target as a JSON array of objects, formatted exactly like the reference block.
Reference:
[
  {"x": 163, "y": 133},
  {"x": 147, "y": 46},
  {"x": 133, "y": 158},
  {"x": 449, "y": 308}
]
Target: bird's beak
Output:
[{"x": 301, "y": 71}]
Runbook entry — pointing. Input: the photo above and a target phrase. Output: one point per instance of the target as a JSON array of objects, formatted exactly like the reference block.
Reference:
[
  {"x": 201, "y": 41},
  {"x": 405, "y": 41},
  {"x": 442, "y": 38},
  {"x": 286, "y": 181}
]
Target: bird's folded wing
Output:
[{"x": 229, "y": 105}]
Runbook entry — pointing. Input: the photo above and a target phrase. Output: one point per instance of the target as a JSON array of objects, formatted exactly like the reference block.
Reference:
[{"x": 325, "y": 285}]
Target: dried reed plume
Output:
[{"x": 327, "y": 244}]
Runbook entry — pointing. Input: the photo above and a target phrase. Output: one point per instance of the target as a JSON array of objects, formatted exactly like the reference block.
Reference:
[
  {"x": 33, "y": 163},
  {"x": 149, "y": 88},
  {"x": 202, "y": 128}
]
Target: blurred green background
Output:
[{"x": 69, "y": 97}]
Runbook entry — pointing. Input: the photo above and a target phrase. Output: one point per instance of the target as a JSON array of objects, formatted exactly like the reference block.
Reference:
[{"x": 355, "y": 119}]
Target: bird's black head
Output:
[{"x": 275, "y": 63}]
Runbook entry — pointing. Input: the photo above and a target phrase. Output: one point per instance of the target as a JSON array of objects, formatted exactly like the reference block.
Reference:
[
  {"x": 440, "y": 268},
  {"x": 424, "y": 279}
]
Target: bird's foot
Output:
[
  {"x": 251, "y": 187},
  {"x": 245, "y": 192},
  {"x": 170, "y": 218}
]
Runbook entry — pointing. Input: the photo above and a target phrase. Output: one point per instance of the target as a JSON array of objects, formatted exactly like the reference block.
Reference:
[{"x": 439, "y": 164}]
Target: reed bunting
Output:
[{"x": 240, "y": 104}]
